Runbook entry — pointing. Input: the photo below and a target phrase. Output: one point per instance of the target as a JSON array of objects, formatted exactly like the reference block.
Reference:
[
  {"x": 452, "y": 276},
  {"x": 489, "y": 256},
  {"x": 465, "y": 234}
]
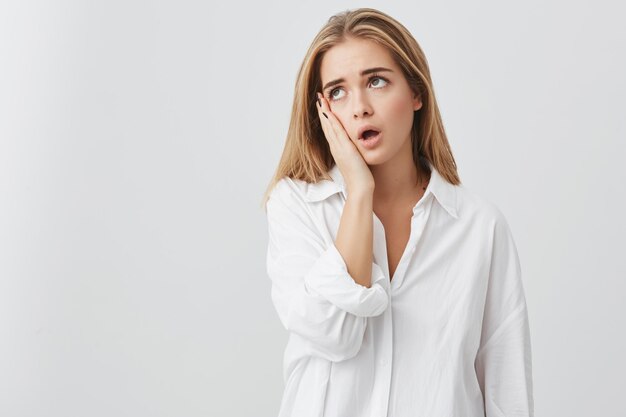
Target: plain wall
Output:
[{"x": 136, "y": 141}]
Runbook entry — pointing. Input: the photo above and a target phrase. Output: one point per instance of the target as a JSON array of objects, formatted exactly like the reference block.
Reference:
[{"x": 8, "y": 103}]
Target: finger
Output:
[
  {"x": 322, "y": 105},
  {"x": 327, "y": 126},
  {"x": 321, "y": 102},
  {"x": 330, "y": 117},
  {"x": 335, "y": 124}
]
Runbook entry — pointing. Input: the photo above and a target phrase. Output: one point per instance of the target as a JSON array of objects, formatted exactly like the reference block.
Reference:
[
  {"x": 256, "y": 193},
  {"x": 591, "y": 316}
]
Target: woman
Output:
[{"x": 401, "y": 289}]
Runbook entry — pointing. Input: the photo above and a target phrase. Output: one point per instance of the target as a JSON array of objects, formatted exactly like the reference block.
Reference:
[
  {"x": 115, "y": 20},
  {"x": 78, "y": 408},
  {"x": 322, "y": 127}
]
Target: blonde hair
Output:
[{"x": 306, "y": 155}]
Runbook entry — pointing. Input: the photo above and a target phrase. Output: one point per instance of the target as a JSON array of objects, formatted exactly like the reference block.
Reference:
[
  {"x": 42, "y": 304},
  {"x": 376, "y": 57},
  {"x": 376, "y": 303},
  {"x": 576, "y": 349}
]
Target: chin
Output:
[{"x": 374, "y": 158}]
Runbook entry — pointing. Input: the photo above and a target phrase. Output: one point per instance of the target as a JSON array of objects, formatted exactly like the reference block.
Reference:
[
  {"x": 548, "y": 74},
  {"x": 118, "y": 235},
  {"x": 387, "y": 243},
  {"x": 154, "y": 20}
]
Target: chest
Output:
[{"x": 397, "y": 232}]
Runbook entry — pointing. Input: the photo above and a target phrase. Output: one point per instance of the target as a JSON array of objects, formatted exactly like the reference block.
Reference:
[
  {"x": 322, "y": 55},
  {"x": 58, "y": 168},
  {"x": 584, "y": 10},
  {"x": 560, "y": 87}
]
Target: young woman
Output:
[{"x": 400, "y": 288}]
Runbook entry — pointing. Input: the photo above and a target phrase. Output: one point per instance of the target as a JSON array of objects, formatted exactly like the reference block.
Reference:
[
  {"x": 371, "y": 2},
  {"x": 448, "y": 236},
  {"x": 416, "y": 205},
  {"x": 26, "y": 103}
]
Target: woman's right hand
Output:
[{"x": 353, "y": 167}]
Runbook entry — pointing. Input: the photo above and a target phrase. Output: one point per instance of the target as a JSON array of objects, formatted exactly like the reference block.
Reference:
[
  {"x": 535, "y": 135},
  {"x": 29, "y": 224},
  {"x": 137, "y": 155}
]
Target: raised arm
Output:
[{"x": 313, "y": 291}]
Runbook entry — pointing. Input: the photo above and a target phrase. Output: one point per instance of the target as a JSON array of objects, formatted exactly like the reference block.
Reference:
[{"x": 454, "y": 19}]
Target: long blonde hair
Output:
[{"x": 306, "y": 155}]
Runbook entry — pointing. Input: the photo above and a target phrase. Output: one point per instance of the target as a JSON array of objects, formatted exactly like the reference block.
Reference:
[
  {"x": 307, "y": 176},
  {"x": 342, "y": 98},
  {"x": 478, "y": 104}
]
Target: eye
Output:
[
  {"x": 332, "y": 97},
  {"x": 380, "y": 78}
]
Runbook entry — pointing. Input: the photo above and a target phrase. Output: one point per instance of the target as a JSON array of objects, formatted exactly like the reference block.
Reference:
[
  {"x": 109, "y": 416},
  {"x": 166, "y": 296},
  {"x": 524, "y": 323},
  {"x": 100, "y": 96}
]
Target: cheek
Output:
[
  {"x": 399, "y": 112},
  {"x": 399, "y": 106}
]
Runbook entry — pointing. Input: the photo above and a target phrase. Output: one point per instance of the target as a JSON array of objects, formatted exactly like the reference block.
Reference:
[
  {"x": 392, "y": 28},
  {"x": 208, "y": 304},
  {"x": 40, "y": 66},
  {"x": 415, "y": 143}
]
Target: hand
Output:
[{"x": 353, "y": 167}]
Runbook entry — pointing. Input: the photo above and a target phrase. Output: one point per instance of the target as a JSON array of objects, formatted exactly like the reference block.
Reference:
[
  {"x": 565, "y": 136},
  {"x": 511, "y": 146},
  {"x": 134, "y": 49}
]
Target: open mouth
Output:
[{"x": 369, "y": 134}]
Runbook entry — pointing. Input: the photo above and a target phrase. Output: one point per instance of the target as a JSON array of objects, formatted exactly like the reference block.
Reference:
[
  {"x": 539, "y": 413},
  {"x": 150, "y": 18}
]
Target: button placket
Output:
[
  {"x": 418, "y": 223},
  {"x": 385, "y": 362}
]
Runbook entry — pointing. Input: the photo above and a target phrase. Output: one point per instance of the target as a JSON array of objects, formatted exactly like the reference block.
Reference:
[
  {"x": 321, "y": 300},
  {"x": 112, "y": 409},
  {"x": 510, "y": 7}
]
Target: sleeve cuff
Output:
[{"x": 330, "y": 279}]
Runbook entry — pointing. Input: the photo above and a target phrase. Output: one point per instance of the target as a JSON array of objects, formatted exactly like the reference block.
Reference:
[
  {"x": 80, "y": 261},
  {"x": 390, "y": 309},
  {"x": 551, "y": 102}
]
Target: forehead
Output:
[{"x": 350, "y": 57}]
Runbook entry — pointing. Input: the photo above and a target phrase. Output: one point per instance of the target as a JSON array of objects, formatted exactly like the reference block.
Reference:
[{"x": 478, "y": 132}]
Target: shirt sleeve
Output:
[
  {"x": 312, "y": 291},
  {"x": 504, "y": 362}
]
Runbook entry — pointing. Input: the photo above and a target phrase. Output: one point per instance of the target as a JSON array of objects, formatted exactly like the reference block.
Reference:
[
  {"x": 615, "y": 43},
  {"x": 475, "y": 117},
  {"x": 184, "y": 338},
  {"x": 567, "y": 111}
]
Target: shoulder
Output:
[
  {"x": 296, "y": 191},
  {"x": 288, "y": 203},
  {"x": 477, "y": 207},
  {"x": 289, "y": 213},
  {"x": 288, "y": 191},
  {"x": 486, "y": 219}
]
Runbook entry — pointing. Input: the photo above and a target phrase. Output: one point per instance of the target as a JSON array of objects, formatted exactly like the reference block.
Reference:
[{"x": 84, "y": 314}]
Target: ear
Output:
[{"x": 417, "y": 101}]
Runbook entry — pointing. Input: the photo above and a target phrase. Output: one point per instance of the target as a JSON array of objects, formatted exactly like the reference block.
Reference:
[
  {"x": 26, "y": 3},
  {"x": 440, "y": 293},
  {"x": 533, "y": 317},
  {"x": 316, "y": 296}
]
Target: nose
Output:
[{"x": 361, "y": 105}]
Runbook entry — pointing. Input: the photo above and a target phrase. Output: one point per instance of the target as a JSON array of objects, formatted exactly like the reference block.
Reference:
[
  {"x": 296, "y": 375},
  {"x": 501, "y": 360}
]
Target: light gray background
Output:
[{"x": 136, "y": 140}]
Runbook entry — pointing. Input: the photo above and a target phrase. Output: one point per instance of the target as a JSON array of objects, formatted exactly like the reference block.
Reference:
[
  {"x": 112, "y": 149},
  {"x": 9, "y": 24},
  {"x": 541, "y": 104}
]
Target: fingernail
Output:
[{"x": 325, "y": 115}]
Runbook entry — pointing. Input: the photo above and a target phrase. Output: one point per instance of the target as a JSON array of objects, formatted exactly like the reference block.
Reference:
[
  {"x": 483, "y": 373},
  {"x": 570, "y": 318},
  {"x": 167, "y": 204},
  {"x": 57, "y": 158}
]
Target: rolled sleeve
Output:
[
  {"x": 313, "y": 293},
  {"x": 329, "y": 277},
  {"x": 504, "y": 360}
]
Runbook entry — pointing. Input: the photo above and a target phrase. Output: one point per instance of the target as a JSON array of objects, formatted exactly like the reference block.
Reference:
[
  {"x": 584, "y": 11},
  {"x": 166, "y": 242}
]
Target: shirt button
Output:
[{"x": 383, "y": 362}]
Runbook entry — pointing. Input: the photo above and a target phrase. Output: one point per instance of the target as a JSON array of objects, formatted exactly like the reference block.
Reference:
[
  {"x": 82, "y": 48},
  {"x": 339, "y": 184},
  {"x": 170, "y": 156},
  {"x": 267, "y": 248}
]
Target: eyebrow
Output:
[{"x": 363, "y": 73}]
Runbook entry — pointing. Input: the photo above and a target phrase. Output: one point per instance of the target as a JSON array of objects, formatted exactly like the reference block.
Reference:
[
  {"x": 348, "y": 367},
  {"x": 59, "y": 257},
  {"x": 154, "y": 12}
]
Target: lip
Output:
[
  {"x": 366, "y": 127},
  {"x": 371, "y": 143}
]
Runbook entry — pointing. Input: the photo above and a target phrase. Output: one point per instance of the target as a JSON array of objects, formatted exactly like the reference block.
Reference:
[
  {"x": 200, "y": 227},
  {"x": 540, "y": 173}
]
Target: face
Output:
[{"x": 381, "y": 98}]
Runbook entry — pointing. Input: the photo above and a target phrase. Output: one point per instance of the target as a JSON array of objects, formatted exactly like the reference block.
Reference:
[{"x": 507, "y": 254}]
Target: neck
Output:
[{"x": 399, "y": 178}]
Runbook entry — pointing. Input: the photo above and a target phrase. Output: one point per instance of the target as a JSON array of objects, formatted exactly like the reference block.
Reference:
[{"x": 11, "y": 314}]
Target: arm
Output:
[
  {"x": 503, "y": 362},
  {"x": 355, "y": 235},
  {"x": 312, "y": 291}
]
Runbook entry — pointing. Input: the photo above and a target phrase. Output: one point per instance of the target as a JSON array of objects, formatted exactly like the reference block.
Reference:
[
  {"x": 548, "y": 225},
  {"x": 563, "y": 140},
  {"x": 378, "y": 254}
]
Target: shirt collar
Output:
[
  {"x": 439, "y": 187},
  {"x": 325, "y": 188}
]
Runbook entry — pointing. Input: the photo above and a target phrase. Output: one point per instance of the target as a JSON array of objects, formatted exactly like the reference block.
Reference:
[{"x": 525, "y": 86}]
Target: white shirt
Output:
[{"x": 448, "y": 336}]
